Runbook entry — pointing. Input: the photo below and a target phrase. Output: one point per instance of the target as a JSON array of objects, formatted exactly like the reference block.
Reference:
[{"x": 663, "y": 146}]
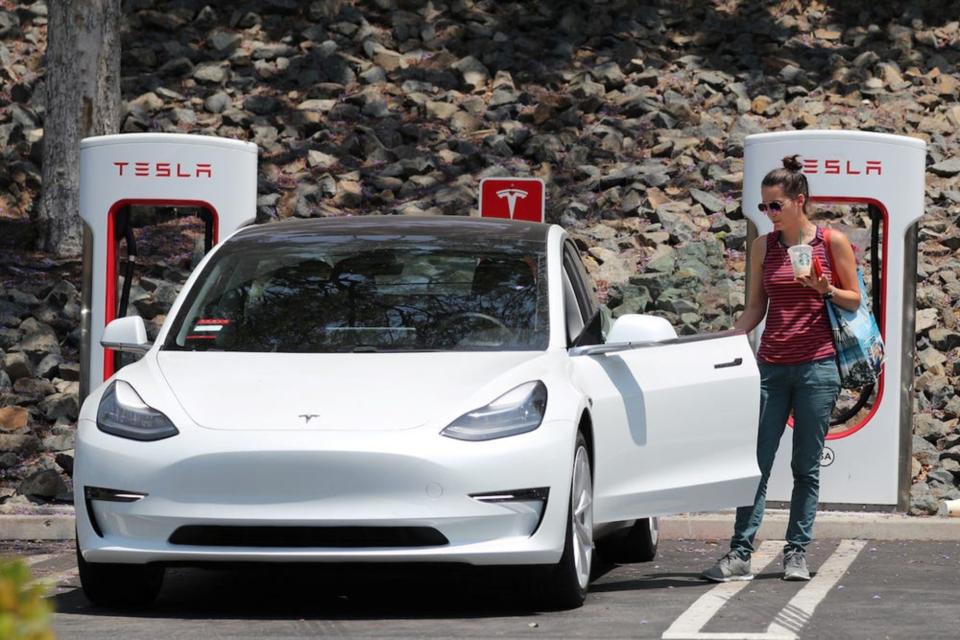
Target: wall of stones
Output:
[{"x": 633, "y": 113}]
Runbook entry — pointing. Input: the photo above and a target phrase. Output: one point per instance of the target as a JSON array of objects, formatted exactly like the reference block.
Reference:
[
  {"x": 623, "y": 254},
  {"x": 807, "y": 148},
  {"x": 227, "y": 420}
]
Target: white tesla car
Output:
[{"x": 397, "y": 389}]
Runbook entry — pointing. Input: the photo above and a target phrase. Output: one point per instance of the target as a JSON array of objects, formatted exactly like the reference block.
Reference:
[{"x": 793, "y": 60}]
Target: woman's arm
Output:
[
  {"x": 756, "y": 297},
  {"x": 847, "y": 295}
]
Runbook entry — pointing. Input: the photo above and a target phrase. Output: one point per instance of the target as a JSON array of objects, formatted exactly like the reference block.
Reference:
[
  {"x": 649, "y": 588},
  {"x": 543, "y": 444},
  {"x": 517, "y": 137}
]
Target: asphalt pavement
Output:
[{"x": 860, "y": 589}]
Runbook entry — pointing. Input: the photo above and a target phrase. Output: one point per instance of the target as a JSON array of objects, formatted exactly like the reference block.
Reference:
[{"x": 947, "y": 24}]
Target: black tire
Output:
[
  {"x": 561, "y": 586},
  {"x": 636, "y": 543},
  {"x": 119, "y": 585}
]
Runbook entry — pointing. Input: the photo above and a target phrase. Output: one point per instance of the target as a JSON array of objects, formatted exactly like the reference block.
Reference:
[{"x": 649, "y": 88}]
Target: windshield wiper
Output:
[{"x": 365, "y": 348}]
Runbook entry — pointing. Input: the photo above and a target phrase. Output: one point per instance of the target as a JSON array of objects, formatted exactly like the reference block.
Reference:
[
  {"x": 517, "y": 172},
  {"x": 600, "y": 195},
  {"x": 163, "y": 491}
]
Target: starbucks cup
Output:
[{"x": 801, "y": 257}]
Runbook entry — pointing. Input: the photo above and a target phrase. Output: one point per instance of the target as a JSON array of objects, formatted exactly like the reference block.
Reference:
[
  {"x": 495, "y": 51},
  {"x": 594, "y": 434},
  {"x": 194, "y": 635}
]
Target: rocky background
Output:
[{"x": 633, "y": 113}]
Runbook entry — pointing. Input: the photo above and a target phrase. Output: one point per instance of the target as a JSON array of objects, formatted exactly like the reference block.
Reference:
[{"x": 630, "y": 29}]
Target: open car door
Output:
[{"x": 675, "y": 424}]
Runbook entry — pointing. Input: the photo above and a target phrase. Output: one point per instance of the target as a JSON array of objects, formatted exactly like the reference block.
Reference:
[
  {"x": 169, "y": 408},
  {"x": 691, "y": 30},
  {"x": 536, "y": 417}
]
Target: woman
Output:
[{"x": 798, "y": 370}]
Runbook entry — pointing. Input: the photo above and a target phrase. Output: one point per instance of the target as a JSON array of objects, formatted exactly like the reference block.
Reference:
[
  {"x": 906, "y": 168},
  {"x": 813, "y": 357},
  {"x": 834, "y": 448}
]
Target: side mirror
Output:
[
  {"x": 640, "y": 328},
  {"x": 126, "y": 334}
]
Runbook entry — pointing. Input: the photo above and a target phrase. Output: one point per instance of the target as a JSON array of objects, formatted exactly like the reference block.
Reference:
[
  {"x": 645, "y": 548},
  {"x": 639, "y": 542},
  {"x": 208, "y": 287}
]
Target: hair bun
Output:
[{"x": 792, "y": 163}]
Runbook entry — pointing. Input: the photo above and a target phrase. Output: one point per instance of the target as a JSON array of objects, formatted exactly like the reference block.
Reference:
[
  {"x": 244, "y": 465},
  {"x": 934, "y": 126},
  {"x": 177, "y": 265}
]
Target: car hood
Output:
[{"x": 365, "y": 391}]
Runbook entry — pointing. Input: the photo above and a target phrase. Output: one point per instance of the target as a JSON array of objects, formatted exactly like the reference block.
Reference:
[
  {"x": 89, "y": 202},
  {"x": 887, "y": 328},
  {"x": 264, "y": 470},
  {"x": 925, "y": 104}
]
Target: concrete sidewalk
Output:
[{"x": 693, "y": 526}]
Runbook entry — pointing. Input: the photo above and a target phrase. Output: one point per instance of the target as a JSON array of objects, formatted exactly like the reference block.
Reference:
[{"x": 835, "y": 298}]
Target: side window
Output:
[
  {"x": 580, "y": 305},
  {"x": 573, "y": 319},
  {"x": 580, "y": 279}
]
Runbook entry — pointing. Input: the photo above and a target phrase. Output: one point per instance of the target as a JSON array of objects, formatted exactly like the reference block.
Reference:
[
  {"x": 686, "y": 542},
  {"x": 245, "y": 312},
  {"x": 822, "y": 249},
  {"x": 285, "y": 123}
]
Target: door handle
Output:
[{"x": 736, "y": 362}]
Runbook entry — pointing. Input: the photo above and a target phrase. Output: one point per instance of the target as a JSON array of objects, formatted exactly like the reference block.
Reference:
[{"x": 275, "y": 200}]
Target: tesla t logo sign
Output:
[
  {"x": 513, "y": 198},
  {"x": 843, "y": 167},
  {"x": 164, "y": 169}
]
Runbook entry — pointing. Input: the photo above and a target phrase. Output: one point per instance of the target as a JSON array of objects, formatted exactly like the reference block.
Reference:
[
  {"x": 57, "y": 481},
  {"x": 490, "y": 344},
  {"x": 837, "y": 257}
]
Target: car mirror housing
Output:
[
  {"x": 640, "y": 328},
  {"x": 126, "y": 334}
]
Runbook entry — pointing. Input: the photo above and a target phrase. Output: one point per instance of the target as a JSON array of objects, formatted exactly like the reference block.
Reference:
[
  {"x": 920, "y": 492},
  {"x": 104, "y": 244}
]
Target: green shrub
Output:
[{"x": 24, "y": 613}]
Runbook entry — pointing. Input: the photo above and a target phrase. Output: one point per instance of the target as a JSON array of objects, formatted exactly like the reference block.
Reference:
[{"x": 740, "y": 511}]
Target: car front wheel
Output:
[
  {"x": 566, "y": 583},
  {"x": 119, "y": 585}
]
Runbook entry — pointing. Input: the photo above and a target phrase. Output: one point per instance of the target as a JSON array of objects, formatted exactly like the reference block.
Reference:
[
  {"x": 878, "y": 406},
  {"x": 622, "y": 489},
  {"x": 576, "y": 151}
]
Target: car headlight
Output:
[
  {"x": 123, "y": 413},
  {"x": 517, "y": 411}
]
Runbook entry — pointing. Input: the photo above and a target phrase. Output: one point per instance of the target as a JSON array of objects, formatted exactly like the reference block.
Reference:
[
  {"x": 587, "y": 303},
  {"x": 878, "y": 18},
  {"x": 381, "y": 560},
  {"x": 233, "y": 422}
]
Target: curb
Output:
[
  {"x": 58, "y": 526},
  {"x": 690, "y": 526},
  {"x": 829, "y": 524}
]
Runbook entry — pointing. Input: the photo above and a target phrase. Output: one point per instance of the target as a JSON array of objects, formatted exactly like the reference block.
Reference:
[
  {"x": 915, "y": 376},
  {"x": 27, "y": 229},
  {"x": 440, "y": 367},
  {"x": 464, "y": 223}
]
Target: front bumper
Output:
[{"x": 393, "y": 479}]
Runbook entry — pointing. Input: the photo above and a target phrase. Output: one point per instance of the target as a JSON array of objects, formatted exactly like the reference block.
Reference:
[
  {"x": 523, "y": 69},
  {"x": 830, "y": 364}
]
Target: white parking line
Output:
[
  {"x": 789, "y": 621},
  {"x": 37, "y": 559},
  {"x": 691, "y": 621},
  {"x": 799, "y": 610}
]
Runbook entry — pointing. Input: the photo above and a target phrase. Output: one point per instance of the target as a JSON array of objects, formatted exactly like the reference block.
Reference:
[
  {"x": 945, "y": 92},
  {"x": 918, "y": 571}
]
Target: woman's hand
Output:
[{"x": 819, "y": 284}]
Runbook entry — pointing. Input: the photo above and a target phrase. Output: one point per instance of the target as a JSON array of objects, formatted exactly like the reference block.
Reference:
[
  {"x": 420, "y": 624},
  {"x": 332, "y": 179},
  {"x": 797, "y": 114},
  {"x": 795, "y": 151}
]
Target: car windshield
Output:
[{"x": 355, "y": 294}]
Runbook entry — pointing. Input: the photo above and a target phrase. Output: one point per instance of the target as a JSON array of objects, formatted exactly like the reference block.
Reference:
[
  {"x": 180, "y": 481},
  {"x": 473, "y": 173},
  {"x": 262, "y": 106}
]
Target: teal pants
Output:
[{"x": 809, "y": 390}]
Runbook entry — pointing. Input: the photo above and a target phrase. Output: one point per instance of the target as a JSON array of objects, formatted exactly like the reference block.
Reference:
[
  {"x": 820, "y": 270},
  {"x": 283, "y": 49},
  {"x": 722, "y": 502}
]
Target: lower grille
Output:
[{"x": 340, "y": 537}]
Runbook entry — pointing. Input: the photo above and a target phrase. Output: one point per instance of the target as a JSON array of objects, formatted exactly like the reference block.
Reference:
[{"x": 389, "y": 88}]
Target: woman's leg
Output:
[
  {"x": 815, "y": 395},
  {"x": 775, "y": 402}
]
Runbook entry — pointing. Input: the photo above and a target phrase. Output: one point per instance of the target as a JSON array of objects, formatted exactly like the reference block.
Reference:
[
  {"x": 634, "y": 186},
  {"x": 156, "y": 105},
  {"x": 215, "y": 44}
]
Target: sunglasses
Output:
[{"x": 773, "y": 206}]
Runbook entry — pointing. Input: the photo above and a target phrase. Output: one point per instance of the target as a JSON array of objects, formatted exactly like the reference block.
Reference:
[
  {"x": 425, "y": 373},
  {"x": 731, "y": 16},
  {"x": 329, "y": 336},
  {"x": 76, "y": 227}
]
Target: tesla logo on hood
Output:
[{"x": 307, "y": 417}]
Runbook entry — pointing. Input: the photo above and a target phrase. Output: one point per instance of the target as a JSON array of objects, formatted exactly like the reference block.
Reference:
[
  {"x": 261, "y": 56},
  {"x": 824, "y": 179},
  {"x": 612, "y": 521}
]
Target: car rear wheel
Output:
[
  {"x": 119, "y": 585},
  {"x": 636, "y": 543},
  {"x": 565, "y": 584}
]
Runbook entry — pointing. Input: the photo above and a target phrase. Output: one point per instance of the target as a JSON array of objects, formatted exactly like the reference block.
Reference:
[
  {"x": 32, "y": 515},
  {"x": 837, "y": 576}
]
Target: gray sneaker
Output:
[
  {"x": 729, "y": 568},
  {"x": 795, "y": 566}
]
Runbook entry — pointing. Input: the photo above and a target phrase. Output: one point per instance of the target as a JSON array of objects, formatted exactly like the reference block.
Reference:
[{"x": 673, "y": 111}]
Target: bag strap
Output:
[{"x": 833, "y": 263}]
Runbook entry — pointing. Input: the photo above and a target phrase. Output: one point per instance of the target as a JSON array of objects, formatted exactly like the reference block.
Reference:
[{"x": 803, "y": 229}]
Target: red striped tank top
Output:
[{"x": 797, "y": 329}]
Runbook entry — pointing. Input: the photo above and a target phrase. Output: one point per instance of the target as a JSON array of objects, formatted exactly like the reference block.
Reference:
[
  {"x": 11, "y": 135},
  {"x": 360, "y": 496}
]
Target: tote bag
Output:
[{"x": 856, "y": 336}]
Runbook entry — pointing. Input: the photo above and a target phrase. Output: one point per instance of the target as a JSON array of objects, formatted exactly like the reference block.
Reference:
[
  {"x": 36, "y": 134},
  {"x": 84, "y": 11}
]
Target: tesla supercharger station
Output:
[
  {"x": 866, "y": 463},
  {"x": 216, "y": 176}
]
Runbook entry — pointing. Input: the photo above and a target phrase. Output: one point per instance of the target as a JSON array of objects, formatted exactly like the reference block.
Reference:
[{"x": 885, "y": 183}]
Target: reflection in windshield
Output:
[{"x": 360, "y": 295}]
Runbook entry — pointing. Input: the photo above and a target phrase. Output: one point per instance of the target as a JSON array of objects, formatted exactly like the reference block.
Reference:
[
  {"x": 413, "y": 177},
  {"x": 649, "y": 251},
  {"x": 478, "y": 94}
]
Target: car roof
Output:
[{"x": 469, "y": 229}]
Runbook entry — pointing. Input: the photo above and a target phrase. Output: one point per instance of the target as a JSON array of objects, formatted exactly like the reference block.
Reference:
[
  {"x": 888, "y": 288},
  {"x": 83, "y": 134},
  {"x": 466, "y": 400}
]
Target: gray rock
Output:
[
  {"x": 947, "y": 168},
  {"x": 634, "y": 300},
  {"x": 64, "y": 460},
  {"x": 9, "y": 24},
  {"x": 272, "y": 51},
  {"x": 23, "y": 444},
  {"x": 43, "y": 484},
  {"x": 17, "y": 365},
  {"x": 21, "y": 298},
  {"x": 951, "y": 465},
  {"x": 609, "y": 74},
  {"x": 39, "y": 339},
  {"x": 676, "y": 301},
  {"x": 709, "y": 201},
  {"x": 10, "y": 338},
  {"x": 319, "y": 160},
  {"x": 929, "y": 428},
  {"x": 374, "y": 75},
  {"x": 33, "y": 389},
  {"x": 59, "y": 442},
  {"x": 474, "y": 73},
  {"x": 60, "y": 405},
  {"x": 662, "y": 260},
  {"x": 62, "y": 293},
  {"x": 944, "y": 339},
  {"x": 224, "y": 41},
  {"x": 9, "y": 460},
  {"x": 922, "y": 501},
  {"x": 218, "y": 102},
  {"x": 213, "y": 73},
  {"x": 261, "y": 104}
]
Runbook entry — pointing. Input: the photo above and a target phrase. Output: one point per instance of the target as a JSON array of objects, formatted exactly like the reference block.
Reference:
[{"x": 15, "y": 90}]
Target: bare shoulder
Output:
[
  {"x": 760, "y": 244},
  {"x": 838, "y": 239}
]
